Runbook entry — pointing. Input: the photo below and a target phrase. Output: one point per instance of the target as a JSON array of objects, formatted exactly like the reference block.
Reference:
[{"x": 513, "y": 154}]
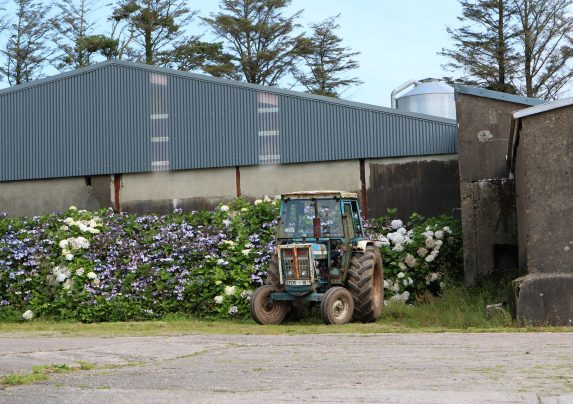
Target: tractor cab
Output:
[{"x": 316, "y": 234}]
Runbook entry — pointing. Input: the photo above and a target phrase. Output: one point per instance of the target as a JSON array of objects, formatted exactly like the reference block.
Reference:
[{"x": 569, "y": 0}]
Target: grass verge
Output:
[{"x": 458, "y": 310}]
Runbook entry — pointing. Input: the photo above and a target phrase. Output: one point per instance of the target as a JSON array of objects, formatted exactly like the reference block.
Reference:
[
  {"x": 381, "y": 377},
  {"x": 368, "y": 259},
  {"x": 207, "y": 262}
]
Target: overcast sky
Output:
[{"x": 398, "y": 39}]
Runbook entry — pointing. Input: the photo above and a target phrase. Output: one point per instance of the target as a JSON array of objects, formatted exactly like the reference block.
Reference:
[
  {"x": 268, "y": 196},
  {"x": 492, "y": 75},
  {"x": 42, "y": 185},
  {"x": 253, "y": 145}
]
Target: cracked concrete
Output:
[{"x": 428, "y": 368}]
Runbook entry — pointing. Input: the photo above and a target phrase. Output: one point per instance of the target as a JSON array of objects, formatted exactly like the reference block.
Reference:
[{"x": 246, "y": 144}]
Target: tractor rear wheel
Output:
[
  {"x": 337, "y": 306},
  {"x": 263, "y": 310},
  {"x": 366, "y": 283}
]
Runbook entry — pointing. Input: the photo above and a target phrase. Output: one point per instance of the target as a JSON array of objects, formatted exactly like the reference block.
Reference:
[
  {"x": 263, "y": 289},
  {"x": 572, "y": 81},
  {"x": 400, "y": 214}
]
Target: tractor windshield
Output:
[{"x": 302, "y": 218}]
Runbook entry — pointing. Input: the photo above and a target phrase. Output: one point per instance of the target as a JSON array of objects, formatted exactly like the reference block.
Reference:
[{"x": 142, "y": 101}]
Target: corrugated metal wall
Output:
[{"x": 121, "y": 117}]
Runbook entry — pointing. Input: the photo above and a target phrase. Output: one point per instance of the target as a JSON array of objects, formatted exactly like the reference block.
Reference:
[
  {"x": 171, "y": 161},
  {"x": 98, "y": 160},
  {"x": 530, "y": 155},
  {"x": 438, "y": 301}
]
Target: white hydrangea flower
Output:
[
  {"x": 439, "y": 234},
  {"x": 396, "y": 224},
  {"x": 402, "y": 266},
  {"x": 246, "y": 251},
  {"x": 410, "y": 281},
  {"x": 387, "y": 284},
  {"x": 402, "y": 231},
  {"x": 398, "y": 248},
  {"x": 79, "y": 271},
  {"x": 430, "y": 243},
  {"x": 92, "y": 275},
  {"x": 401, "y": 275},
  {"x": 396, "y": 287},
  {"x": 28, "y": 315},
  {"x": 63, "y": 244},
  {"x": 428, "y": 233},
  {"x": 230, "y": 290},
  {"x": 266, "y": 198},
  {"x": 72, "y": 208},
  {"x": 430, "y": 258},
  {"x": 244, "y": 210},
  {"x": 422, "y": 252},
  {"x": 69, "y": 256},
  {"x": 224, "y": 208},
  {"x": 93, "y": 231},
  {"x": 233, "y": 310},
  {"x": 410, "y": 260},
  {"x": 227, "y": 222},
  {"x": 218, "y": 299},
  {"x": 258, "y": 202},
  {"x": 246, "y": 294},
  {"x": 83, "y": 227},
  {"x": 67, "y": 284},
  {"x": 447, "y": 229}
]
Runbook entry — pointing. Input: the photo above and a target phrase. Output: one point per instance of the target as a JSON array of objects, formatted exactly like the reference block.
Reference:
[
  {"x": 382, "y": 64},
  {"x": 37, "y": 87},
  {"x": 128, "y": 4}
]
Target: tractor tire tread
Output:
[{"x": 362, "y": 285}]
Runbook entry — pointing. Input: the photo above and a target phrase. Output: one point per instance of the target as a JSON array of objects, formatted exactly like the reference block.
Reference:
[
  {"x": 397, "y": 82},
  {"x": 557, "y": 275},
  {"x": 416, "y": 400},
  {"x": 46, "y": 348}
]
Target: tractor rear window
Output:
[{"x": 300, "y": 215}]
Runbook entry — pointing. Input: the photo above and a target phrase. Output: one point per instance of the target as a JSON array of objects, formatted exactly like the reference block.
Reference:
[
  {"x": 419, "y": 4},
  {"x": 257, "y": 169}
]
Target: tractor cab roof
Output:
[{"x": 320, "y": 195}]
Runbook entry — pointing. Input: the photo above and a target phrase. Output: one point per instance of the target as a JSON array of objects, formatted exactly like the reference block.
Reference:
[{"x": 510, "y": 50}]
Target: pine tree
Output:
[
  {"x": 258, "y": 37},
  {"x": 75, "y": 35},
  {"x": 545, "y": 49},
  {"x": 27, "y": 51},
  {"x": 484, "y": 48},
  {"x": 148, "y": 30},
  {"x": 516, "y": 46},
  {"x": 327, "y": 62}
]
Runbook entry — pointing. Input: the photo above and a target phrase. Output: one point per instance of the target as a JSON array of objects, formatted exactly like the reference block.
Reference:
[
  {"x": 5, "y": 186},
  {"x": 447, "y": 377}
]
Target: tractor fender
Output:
[{"x": 362, "y": 244}]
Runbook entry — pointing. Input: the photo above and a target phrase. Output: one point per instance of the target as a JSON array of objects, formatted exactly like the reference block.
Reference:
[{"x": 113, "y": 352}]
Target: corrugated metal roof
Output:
[
  {"x": 549, "y": 106},
  {"x": 122, "y": 117},
  {"x": 496, "y": 95}
]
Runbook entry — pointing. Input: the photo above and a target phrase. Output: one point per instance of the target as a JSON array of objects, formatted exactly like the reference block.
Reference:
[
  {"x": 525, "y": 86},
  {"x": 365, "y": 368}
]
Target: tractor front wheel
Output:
[
  {"x": 337, "y": 306},
  {"x": 267, "y": 312}
]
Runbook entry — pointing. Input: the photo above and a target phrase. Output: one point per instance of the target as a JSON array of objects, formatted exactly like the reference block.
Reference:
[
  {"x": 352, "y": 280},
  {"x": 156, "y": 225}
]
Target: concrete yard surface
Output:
[{"x": 390, "y": 368}]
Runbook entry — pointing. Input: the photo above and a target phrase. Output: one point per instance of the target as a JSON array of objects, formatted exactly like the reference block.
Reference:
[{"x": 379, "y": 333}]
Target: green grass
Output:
[
  {"x": 458, "y": 310},
  {"x": 41, "y": 373}
]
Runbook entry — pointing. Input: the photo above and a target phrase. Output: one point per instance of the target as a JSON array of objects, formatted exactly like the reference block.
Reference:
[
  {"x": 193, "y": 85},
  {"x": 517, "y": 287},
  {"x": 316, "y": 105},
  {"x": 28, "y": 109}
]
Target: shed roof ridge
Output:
[{"x": 57, "y": 77}]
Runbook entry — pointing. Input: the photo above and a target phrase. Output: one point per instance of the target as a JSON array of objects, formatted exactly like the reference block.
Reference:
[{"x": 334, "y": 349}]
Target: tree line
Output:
[
  {"x": 258, "y": 41},
  {"x": 516, "y": 46}
]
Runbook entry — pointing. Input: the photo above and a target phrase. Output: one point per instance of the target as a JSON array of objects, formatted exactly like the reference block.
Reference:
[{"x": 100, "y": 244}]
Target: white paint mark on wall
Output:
[{"x": 485, "y": 136}]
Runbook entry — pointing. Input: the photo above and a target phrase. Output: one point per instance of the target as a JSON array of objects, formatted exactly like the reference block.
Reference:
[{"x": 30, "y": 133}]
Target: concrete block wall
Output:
[
  {"x": 426, "y": 184},
  {"x": 38, "y": 197},
  {"x": 544, "y": 190},
  {"x": 488, "y": 209}
]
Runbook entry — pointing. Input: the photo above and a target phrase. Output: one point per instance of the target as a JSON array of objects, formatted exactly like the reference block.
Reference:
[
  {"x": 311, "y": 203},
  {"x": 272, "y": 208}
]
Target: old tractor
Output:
[{"x": 321, "y": 256}]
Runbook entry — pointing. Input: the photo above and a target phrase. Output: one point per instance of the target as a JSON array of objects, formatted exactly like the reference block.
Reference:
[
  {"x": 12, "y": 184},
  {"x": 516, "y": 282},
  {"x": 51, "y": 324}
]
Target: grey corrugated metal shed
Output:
[{"x": 124, "y": 117}]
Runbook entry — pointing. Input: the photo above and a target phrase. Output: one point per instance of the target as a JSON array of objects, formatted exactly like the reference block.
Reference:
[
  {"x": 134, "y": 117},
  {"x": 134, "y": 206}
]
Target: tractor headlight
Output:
[
  {"x": 304, "y": 273},
  {"x": 290, "y": 273}
]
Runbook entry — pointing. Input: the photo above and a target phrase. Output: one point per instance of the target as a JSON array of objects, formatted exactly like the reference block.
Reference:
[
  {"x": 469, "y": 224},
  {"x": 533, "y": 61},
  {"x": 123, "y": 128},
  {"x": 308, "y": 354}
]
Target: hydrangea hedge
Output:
[{"x": 104, "y": 266}]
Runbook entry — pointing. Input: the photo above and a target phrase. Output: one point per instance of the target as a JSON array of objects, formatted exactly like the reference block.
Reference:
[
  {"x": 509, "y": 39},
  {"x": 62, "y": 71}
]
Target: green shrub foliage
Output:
[{"x": 105, "y": 266}]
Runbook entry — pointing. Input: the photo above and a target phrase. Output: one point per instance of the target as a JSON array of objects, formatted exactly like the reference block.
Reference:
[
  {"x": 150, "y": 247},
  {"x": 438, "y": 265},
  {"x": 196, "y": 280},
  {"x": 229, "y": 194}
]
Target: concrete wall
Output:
[
  {"x": 257, "y": 181},
  {"x": 161, "y": 192},
  {"x": 38, "y": 197},
  {"x": 483, "y": 138},
  {"x": 546, "y": 190},
  {"x": 425, "y": 185}
]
